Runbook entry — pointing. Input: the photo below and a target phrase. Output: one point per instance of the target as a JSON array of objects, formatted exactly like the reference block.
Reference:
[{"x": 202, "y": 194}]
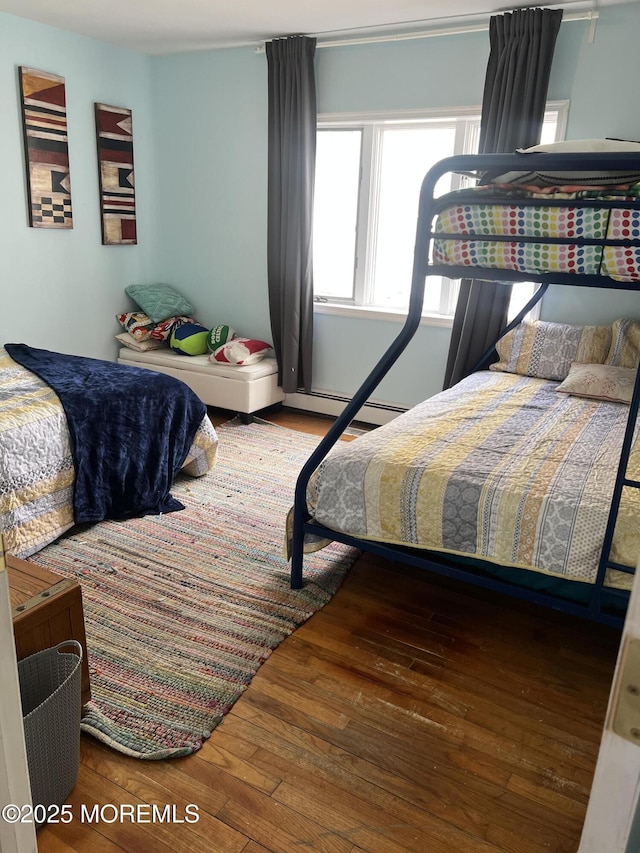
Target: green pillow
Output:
[
  {"x": 220, "y": 335},
  {"x": 190, "y": 339},
  {"x": 159, "y": 301}
]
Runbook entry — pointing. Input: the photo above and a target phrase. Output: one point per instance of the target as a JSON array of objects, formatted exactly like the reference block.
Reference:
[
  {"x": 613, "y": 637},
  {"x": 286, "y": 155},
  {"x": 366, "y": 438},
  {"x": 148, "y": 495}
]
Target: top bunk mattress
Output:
[
  {"x": 538, "y": 232},
  {"x": 500, "y": 468}
]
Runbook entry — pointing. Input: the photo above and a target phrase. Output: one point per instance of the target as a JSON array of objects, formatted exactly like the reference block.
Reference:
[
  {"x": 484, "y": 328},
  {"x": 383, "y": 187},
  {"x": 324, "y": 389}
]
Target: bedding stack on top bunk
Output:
[
  {"x": 581, "y": 220},
  {"x": 510, "y": 479}
]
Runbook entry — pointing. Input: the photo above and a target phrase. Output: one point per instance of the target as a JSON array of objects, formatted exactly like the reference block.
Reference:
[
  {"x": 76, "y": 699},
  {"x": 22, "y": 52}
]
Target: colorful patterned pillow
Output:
[
  {"x": 142, "y": 328},
  {"x": 137, "y": 324},
  {"x": 159, "y": 301},
  {"x": 219, "y": 335},
  {"x": 241, "y": 351},
  {"x": 625, "y": 344},
  {"x": 600, "y": 382},
  {"x": 189, "y": 339},
  {"x": 546, "y": 350},
  {"x": 162, "y": 331}
]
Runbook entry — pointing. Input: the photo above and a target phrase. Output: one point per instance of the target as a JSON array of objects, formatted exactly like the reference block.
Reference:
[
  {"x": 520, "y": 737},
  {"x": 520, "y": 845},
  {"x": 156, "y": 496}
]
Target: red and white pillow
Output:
[{"x": 241, "y": 351}]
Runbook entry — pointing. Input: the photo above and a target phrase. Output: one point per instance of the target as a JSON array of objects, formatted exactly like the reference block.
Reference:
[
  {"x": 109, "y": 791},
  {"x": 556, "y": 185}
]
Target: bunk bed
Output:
[{"x": 583, "y": 229}]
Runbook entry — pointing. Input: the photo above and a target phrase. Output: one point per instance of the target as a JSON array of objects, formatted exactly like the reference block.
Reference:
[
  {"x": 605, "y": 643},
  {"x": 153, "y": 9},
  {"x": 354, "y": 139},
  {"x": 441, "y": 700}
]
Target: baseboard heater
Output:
[{"x": 325, "y": 403}]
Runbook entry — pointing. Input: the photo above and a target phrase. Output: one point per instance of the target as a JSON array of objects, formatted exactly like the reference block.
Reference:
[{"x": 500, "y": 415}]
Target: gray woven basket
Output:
[{"x": 50, "y": 689}]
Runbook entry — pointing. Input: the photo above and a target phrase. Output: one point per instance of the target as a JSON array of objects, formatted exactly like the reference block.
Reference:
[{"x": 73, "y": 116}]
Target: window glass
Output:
[
  {"x": 406, "y": 156},
  {"x": 368, "y": 178},
  {"x": 335, "y": 212}
]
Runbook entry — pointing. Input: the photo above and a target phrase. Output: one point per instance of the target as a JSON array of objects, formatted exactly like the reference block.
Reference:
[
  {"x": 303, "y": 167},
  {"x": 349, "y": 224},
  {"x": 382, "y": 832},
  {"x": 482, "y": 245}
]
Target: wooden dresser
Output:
[{"x": 46, "y": 610}]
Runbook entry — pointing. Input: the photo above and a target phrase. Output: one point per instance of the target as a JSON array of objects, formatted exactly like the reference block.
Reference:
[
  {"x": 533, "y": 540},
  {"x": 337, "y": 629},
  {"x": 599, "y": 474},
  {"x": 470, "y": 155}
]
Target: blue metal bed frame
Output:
[{"x": 427, "y": 210}]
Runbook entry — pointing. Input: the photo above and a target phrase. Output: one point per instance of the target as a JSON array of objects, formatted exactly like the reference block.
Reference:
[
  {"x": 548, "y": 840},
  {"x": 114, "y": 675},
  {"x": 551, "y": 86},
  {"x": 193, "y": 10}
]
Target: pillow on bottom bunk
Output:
[
  {"x": 625, "y": 344},
  {"x": 546, "y": 350},
  {"x": 600, "y": 382},
  {"x": 142, "y": 328}
]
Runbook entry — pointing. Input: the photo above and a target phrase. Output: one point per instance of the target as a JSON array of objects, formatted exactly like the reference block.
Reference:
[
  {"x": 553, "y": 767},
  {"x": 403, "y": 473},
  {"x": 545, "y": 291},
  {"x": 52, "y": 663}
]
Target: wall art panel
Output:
[
  {"x": 44, "y": 122},
  {"x": 114, "y": 131}
]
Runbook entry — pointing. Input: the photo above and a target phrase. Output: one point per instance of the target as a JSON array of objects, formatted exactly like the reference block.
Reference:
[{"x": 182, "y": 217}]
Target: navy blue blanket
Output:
[{"x": 131, "y": 430}]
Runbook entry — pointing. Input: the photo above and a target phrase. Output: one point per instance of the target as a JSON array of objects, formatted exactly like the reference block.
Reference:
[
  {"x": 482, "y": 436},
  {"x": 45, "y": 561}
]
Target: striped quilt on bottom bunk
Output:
[{"x": 500, "y": 468}]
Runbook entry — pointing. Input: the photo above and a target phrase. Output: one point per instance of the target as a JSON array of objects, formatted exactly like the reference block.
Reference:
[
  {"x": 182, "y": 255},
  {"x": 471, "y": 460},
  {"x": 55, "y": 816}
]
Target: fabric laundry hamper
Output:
[{"x": 50, "y": 687}]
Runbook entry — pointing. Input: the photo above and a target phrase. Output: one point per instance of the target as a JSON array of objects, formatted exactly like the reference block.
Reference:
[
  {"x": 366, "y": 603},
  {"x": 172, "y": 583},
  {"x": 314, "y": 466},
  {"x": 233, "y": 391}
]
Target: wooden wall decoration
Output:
[
  {"x": 114, "y": 131},
  {"x": 44, "y": 123}
]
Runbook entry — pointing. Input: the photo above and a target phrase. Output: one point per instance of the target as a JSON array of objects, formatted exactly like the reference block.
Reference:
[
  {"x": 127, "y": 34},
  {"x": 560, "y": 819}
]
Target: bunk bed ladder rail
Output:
[
  {"x": 412, "y": 321},
  {"x": 622, "y": 481}
]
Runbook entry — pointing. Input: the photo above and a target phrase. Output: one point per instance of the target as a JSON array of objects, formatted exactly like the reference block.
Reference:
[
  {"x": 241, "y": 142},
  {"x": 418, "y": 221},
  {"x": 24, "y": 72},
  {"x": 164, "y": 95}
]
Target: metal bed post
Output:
[
  {"x": 361, "y": 396},
  {"x": 621, "y": 481}
]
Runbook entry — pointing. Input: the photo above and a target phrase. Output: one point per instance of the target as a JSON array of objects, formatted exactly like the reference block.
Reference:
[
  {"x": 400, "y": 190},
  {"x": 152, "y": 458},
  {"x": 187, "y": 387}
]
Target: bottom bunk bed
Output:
[
  {"x": 523, "y": 478},
  {"x": 504, "y": 475}
]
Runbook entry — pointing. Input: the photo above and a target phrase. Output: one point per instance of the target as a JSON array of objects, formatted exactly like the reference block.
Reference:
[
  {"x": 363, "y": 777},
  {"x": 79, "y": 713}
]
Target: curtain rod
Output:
[{"x": 482, "y": 26}]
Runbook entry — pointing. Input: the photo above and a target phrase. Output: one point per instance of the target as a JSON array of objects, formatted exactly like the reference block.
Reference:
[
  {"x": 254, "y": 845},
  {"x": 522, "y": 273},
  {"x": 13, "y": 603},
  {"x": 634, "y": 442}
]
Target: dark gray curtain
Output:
[
  {"x": 513, "y": 103},
  {"x": 291, "y": 172}
]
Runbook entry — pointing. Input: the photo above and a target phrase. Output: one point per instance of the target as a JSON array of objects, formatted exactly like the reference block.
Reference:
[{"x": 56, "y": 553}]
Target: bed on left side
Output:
[{"x": 83, "y": 440}]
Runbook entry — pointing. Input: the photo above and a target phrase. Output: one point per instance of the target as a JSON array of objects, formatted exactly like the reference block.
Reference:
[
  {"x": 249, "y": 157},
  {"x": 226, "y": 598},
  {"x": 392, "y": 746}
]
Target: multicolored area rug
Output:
[{"x": 182, "y": 609}]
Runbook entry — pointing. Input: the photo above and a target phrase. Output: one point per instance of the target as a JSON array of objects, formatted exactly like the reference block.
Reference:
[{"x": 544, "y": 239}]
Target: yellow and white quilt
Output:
[
  {"x": 36, "y": 462},
  {"x": 500, "y": 468}
]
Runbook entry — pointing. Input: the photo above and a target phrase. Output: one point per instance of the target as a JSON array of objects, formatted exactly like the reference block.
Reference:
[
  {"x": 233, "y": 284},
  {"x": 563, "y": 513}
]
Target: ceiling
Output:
[{"x": 169, "y": 26}]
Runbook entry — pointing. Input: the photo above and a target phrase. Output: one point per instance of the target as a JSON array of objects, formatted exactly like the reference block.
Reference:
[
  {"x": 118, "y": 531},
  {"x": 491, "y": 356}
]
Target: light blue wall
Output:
[
  {"x": 211, "y": 110},
  {"x": 212, "y": 107},
  {"x": 200, "y": 137},
  {"x": 61, "y": 289},
  {"x": 210, "y": 113}
]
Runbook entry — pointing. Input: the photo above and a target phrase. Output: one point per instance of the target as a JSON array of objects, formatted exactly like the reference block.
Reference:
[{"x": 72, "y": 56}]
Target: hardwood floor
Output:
[{"x": 409, "y": 714}]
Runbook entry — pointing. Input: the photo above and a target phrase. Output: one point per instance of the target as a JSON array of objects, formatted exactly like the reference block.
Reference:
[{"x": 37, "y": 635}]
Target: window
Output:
[{"x": 368, "y": 176}]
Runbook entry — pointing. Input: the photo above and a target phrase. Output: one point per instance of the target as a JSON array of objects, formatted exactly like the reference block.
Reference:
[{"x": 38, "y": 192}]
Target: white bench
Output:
[{"x": 244, "y": 389}]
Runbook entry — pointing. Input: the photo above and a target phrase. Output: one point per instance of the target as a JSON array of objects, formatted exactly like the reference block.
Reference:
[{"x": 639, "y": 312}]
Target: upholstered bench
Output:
[{"x": 245, "y": 389}]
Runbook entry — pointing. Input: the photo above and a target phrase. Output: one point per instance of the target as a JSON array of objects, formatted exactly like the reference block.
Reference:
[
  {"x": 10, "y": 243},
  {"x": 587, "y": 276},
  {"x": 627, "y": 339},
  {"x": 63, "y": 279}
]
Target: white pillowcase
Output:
[
  {"x": 600, "y": 382},
  {"x": 538, "y": 177},
  {"x": 584, "y": 146},
  {"x": 139, "y": 346}
]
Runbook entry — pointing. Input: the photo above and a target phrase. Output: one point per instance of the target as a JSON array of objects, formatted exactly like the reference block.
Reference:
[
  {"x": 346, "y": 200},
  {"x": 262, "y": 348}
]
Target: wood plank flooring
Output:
[{"x": 409, "y": 714}]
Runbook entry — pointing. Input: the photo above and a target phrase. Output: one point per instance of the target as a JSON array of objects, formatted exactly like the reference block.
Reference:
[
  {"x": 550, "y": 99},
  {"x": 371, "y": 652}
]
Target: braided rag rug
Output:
[{"x": 182, "y": 609}]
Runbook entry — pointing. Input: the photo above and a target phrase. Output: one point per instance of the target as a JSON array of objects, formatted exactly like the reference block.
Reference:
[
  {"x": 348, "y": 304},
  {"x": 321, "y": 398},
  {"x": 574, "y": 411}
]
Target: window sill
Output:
[{"x": 393, "y": 315}]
